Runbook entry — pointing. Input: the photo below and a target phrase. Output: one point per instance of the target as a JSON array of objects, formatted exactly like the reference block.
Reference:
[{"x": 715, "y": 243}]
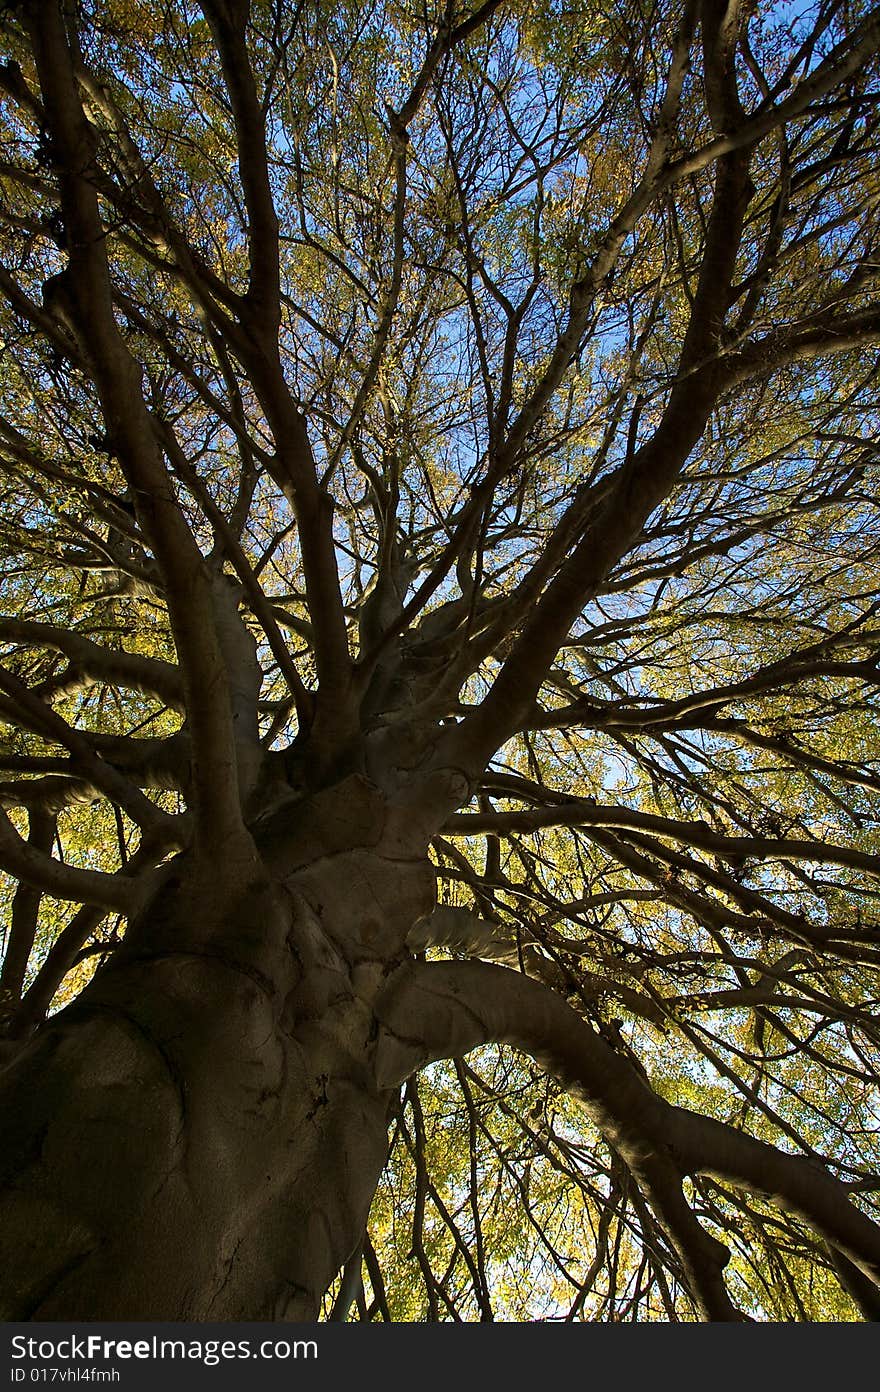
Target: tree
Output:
[{"x": 440, "y": 523}]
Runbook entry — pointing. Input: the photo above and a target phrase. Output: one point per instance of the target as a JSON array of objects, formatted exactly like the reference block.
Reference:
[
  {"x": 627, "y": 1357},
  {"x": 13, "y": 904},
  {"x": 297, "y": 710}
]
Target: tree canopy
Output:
[{"x": 474, "y": 405}]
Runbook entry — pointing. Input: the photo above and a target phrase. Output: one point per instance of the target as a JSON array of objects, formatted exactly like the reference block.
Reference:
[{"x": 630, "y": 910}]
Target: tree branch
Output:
[
  {"x": 443, "y": 1010},
  {"x": 84, "y": 293},
  {"x": 21, "y": 859}
]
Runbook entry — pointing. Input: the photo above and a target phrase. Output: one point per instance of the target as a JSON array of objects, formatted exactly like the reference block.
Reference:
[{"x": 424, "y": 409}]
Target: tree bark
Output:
[{"x": 199, "y": 1136}]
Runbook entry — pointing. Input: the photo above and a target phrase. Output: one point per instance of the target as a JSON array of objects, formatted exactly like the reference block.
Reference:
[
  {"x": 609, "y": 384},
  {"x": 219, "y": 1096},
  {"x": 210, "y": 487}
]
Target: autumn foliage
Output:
[{"x": 439, "y": 755}]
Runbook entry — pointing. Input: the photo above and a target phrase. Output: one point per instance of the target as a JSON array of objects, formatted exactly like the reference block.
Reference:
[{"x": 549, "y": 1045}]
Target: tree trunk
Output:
[{"x": 200, "y": 1135}]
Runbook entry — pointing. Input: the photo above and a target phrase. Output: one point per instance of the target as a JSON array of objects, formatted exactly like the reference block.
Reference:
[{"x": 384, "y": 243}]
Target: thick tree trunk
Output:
[{"x": 200, "y": 1135}]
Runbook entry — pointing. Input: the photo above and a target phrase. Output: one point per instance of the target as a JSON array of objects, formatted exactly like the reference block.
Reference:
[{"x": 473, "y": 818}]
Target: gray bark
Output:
[{"x": 200, "y": 1135}]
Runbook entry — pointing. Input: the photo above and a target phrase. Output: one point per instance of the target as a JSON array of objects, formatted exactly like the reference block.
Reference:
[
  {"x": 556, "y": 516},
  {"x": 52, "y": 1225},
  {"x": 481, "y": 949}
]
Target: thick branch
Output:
[
  {"x": 22, "y": 860},
  {"x": 25, "y": 909},
  {"x": 443, "y": 1010},
  {"x": 582, "y": 812},
  {"x": 132, "y": 670},
  {"x": 84, "y": 295},
  {"x": 26, "y": 709}
]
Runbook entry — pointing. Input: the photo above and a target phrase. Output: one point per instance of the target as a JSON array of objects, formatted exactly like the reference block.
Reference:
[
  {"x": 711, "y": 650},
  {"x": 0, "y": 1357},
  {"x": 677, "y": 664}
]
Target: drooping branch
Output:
[
  {"x": 31, "y": 1010},
  {"x": 27, "y": 710},
  {"x": 702, "y": 706},
  {"x": 443, "y": 1010},
  {"x": 584, "y": 813},
  {"x": 36, "y": 867},
  {"x": 111, "y": 666}
]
